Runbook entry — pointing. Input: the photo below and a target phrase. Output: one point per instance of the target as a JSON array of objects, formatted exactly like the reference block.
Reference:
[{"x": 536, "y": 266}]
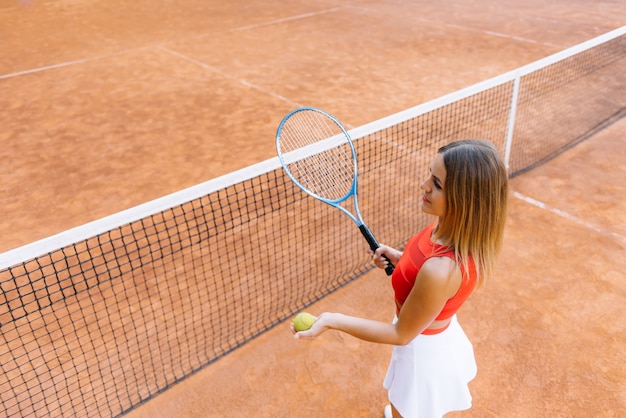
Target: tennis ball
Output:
[{"x": 303, "y": 321}]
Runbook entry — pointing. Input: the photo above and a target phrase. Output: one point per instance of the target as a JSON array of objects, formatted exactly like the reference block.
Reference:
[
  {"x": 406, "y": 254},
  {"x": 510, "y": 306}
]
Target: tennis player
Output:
[{"x": 433, "y": 360}]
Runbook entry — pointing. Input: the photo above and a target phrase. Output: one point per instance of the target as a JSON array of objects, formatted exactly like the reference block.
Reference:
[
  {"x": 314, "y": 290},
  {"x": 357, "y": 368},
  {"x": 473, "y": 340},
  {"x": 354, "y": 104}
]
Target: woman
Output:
[{"x": 433, "y": 361}]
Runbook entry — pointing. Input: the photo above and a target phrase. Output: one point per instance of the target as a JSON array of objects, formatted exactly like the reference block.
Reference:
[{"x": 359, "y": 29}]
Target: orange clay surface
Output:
[{"x": 109, "y": 104}]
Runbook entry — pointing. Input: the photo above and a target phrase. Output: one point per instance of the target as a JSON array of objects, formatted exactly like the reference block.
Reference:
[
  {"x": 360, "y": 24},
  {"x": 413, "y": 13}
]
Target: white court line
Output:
[
  {"x": 48, "y": 67},
  {"x": 69, "y": 63},
  {"x": 287, "y": 19},
  {"x": 568, "y": 216},
  {"x": 226, "y": 75},
  {"x": 502, "y": 35},
  {"x": 162, "y": 48},
  {"x": 492, "y": 33}
]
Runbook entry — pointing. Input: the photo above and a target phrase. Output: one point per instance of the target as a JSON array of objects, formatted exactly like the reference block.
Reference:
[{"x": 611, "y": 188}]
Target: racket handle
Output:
[{"x": 369, "y": 237}]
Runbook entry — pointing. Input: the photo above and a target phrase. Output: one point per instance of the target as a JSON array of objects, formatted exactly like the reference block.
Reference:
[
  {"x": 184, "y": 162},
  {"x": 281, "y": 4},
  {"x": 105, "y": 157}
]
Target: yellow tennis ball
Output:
[{"x": 303, "y": 321}]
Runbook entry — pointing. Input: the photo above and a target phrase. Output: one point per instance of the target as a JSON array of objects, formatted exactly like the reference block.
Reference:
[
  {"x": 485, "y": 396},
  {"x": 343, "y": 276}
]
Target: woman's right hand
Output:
[{"x": 392, "y": 255}]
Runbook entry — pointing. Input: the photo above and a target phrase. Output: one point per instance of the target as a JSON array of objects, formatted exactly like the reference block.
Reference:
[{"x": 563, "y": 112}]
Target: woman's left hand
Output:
[{"x": 318, "y": 328}]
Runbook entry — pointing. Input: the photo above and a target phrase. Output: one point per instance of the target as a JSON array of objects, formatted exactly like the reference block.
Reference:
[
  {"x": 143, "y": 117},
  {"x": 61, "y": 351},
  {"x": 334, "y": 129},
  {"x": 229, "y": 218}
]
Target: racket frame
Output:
[{"x": 327, "y": 144}]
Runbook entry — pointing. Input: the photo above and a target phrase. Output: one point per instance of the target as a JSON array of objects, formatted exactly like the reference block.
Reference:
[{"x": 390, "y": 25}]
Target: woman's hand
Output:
[
  {"x": 391, "y": 253},
  {"x": 319, "y": 326}
]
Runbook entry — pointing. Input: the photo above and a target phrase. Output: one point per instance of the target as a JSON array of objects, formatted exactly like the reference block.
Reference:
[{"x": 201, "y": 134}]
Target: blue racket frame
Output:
[{"x": 336, "y": 203}]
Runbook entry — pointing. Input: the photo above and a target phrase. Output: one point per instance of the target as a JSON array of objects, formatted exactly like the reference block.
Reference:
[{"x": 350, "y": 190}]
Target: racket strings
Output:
[{"x": 328, "y": 169}]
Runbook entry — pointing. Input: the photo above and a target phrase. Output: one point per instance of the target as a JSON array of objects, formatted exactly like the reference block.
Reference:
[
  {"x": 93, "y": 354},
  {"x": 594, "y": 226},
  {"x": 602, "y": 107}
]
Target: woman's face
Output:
[{"x": 433, "y": 198}]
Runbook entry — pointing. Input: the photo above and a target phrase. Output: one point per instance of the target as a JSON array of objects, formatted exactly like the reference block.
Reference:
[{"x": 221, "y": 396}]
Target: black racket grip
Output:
[{"x": 369, "y": 237}]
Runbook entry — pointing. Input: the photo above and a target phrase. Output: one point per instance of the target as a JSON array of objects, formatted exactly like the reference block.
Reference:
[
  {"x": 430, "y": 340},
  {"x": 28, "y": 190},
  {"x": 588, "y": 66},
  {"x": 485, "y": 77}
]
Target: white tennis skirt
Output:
[{"x": 428, "y": 377}]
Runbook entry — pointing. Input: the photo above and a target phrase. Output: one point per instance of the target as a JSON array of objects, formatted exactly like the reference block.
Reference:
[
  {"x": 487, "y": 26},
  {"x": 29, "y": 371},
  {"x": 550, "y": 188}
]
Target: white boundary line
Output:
[
  {"x": 497, "y": 34},
  {"x": 74, "y": 62},
  {"x": 567, "y": 216},
  {"x": 287, "y": 19},
  {"x": 228, "y": 76},
  {"x": 47, "y": 67}
]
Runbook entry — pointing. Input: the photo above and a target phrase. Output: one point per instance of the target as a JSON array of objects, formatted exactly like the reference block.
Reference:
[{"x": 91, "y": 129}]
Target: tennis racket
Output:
[{"x": 318, "y": 155}]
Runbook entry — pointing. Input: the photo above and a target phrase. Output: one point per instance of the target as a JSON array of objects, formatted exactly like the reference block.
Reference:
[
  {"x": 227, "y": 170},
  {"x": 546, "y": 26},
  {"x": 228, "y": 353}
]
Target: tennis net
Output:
[{"x": 98, "y": 319}]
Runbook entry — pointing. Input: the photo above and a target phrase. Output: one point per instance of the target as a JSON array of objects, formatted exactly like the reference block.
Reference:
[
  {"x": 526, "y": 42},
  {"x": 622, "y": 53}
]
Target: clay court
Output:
[{"x": 108, "y": 105}]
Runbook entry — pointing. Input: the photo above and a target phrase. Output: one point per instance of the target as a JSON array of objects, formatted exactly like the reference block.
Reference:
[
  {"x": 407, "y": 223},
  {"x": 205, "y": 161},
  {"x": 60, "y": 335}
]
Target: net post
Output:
[{"x": 511, "y": 122}]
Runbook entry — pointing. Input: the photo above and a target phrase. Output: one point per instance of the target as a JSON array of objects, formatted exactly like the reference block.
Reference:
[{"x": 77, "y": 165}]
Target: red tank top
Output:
[{"x": 419, "y": 249}]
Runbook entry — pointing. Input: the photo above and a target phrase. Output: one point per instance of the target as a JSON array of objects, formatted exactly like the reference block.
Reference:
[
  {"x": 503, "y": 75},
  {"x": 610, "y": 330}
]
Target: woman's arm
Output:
[
  {"x": 364, "y": 329},
  {"x": 435, "y": 284}
]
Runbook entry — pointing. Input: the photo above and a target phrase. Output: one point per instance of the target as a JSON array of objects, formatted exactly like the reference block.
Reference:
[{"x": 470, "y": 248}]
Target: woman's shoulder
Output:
[
  {"x": 441, "y": 271},
  {"x": 439, "y": 266}
]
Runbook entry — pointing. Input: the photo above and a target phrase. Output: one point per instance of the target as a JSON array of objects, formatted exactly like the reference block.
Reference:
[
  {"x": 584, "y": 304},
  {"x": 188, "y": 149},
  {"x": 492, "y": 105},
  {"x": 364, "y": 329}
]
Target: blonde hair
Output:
[{"x": 476, "y": 189}]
